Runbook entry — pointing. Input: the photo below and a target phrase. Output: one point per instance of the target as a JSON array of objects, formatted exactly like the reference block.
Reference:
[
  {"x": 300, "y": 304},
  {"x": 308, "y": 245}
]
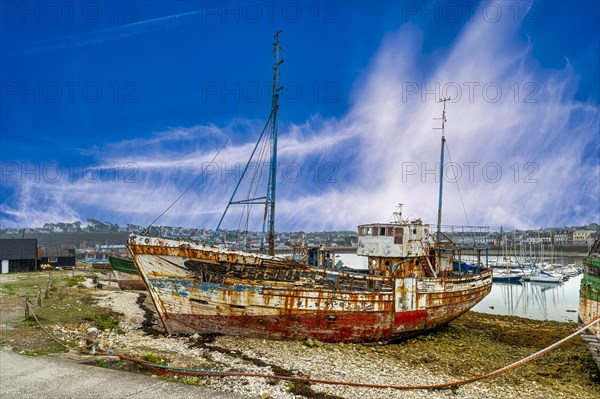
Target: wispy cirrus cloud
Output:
[{"x": 525, "y": 150}]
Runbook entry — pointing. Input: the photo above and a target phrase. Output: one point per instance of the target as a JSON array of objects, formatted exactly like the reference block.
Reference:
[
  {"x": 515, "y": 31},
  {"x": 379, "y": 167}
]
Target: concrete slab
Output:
[{"x": 26, "y": 377}]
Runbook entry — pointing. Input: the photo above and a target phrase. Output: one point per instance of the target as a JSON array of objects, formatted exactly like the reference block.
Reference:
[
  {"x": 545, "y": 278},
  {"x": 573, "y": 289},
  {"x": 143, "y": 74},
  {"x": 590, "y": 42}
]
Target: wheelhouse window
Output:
[
  {"x": 382, "y": 231},
  {"x": 398, "y": 235},
  {"x": 375, "y": 231},
  {"x": 389, "y": 232}
]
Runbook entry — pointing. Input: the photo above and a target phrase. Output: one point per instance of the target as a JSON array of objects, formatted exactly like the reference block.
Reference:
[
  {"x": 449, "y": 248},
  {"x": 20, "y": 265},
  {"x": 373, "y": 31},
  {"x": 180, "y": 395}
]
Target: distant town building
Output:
[
  {"x": 545, "y": 239},
  {"x": 580, "y": 237},
  {"x": 532, "y": 239},
  {"x": 561, "y": 237}
]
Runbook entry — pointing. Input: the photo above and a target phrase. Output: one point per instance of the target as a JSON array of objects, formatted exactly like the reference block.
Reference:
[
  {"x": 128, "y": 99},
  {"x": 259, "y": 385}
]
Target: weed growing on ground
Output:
[{"x": 152, "y": 358}]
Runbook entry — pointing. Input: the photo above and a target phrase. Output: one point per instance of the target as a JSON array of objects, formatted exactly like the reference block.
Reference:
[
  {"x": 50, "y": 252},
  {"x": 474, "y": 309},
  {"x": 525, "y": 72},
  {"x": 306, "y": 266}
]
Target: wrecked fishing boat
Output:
[
  {"x": 128, "y": 277},
  {"x": 413, "y": 285},
  {"x": 416, "y": 279},
  {"x": 589, "y": 299}
]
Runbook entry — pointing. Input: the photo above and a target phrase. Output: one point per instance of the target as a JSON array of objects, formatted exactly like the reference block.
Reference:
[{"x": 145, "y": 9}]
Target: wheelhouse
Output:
[{"x": 393, "y": 239}]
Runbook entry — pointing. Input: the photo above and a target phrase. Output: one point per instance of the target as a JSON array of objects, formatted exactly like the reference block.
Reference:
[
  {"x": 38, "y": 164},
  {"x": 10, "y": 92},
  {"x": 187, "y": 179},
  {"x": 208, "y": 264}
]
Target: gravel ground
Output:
[
  {"x": 376, "y": 364},
  {"x": 472, "y": 345}
]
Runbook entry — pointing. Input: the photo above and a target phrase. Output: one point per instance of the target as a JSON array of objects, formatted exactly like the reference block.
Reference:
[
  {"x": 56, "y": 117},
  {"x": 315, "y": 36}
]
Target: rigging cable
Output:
[
  {"x": 190, "y": 186},
  {"x": 457, "y": 186},
  {"x": 254, "y": 183}
]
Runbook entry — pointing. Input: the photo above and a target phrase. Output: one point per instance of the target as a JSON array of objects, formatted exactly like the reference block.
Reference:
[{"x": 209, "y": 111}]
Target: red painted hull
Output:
[{"x": 332, "y": 327}]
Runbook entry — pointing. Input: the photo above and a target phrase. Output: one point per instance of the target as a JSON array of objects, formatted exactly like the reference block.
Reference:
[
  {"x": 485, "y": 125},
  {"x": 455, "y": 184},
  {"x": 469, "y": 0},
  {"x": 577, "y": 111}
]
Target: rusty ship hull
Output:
[{"x": 199, "y": 288}]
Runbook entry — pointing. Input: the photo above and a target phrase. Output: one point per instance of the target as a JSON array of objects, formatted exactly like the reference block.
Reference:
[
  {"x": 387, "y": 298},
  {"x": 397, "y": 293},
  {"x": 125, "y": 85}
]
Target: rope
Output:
[
  {"x": 213, "y": 373},
  {"x": 457, "y": 185},
  {"x": 30, "y": 306},
  {"x": 190, "y": 186}
]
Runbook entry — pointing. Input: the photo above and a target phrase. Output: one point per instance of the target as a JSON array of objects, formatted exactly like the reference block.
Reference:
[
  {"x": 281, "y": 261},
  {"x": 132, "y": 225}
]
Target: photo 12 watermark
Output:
[
  {"x": 490, "y": 92},
  {"x": 253, "y": 92},
  {"x": 290, "y": 172},
  {"x": 470, "y": 11},
  {"x": 70, "y": 172},
  {"x": 471, "y": 171},
  {"x": 69, "y": 12},
  {"x": 68, "y": 92},
  {"x": 252, "y": 12}
]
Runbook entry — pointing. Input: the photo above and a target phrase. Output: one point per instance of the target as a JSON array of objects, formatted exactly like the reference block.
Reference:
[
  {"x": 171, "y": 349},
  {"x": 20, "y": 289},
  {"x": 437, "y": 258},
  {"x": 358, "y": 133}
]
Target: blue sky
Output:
[{"x": 109, "y": 110}]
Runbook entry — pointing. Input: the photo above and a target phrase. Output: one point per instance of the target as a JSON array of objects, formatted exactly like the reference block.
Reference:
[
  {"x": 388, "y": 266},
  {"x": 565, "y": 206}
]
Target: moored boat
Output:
[
  {"x": 126, "y": 273},
  {"x": 589, "y": 299},
  {"x": 541, "y": 276},
  {"x": 507, "y": 276},
  {"x": 101, "y": 265}
]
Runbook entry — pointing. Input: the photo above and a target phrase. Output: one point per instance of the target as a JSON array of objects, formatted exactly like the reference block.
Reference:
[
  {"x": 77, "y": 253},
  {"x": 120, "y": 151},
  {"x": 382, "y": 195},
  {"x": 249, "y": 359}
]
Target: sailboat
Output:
[
  {"x": 411, "y": 285},
  {"x": 539, "y": 275},
  {"x": 508, "y": 275}
]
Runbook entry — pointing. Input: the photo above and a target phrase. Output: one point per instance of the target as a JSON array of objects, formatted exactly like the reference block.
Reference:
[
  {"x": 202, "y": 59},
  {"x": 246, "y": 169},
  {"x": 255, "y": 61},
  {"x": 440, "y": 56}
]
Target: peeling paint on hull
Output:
[
  {"x": 266, "y": 297},
  {"x": 323, "y": 326}
]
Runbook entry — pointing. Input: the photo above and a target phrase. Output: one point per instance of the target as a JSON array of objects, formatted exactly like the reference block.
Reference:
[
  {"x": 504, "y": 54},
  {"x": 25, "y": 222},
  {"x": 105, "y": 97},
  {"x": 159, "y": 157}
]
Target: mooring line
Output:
[
  {"x": 161, "y": 369},
  {"x": 30, "y": 309},
  {"x": 214, "y": 373}
]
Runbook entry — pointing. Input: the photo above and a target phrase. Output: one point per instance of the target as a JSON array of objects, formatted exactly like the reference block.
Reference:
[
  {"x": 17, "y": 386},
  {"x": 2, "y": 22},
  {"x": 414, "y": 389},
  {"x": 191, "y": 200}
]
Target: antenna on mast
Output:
[
  {"x": 443, "y": 128},
  {"x": 398, "y": 214}
]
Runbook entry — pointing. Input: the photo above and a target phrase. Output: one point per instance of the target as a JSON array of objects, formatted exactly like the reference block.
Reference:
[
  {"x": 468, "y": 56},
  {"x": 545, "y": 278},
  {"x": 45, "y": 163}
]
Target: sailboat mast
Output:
[
  {"x": 270, "y": 203},
  {"x": 439, "y": 220}
]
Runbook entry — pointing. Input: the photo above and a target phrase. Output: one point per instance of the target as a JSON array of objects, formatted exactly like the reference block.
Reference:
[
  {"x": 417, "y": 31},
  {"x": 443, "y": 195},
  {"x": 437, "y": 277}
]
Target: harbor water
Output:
[{"x": 541, "y": 301}]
